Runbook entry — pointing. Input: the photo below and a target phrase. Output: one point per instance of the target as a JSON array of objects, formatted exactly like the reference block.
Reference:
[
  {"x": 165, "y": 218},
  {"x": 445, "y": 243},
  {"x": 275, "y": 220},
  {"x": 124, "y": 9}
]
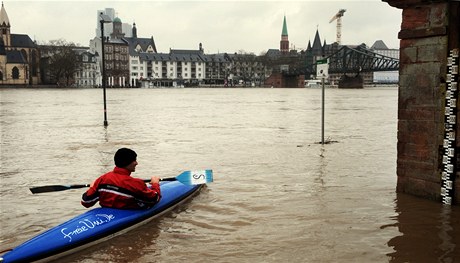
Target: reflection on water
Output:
[
  {"x": 429, "y": 231},
  {"x": 277, "y": 195}
]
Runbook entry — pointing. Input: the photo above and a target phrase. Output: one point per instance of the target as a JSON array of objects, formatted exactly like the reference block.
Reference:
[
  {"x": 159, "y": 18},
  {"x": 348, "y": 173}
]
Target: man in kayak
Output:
[{"x": 117, "y": 189}]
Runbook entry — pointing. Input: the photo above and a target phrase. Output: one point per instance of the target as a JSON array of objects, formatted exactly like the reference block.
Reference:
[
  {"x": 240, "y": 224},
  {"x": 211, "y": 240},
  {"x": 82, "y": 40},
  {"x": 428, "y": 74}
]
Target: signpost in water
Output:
[{"x": 322, "y": 68}]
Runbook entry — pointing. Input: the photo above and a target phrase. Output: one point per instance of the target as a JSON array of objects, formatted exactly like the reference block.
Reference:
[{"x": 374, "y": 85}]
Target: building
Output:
[
  {"x": 19, "y": 56},
  {"x": 385, "y": 77},
  {"x": 89, "y": 73},
  {"x": 217, "y": 66},
  {"x": 182, "y": 67},
  {"x": 247, "y": 69},
  {"x": 122, "y": 53},
  {"x": 177, "y": 68},
  {"x": 137, "y": 46},
  {"x": 116, "y": 55}
]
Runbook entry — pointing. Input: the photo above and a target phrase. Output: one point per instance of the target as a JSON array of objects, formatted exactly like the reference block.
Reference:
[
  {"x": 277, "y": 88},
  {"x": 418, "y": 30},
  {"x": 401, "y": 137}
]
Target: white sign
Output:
[{"x": 322, "y": 68}]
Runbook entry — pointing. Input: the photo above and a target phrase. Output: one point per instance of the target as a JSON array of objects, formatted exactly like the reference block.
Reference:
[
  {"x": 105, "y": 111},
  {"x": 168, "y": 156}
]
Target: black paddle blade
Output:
[{"x": 55, "y": 188}]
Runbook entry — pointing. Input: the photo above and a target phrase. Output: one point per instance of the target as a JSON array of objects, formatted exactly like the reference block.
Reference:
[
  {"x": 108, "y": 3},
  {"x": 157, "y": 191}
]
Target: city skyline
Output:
[{"x": 221, "y": 26}]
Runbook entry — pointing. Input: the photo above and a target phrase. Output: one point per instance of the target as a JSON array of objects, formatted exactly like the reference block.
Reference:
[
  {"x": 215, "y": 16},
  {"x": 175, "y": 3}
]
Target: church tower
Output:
[
  {"x": 284, "y": 43},
  {"x": 117, "y": 29},
  {"x": 5, "y": 27},
  {"x": 317, "y": 47}
]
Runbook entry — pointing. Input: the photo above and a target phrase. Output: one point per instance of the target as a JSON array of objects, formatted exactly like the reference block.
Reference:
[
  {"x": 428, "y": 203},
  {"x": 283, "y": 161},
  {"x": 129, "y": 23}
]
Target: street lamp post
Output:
[{"x": 104, "y": 19}]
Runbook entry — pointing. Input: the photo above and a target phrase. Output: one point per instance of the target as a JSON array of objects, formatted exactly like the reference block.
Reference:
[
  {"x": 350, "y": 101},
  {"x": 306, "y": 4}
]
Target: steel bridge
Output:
[
  {"x": 360, "y": 59},
  {"x": 346, "y": 60}
]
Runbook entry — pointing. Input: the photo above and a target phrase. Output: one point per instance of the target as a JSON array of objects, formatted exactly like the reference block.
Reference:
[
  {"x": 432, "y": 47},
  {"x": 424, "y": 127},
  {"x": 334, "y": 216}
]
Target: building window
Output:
[{"x": 15, "y": 73}]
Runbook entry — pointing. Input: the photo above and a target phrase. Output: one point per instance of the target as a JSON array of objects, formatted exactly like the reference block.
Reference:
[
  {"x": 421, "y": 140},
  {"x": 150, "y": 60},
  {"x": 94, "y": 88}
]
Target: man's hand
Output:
[{"x": 154, "y": 180}]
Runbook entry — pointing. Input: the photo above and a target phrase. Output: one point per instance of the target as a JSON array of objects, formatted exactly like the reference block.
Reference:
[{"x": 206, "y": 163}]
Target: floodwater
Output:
[{"x": 277, "y": 196}]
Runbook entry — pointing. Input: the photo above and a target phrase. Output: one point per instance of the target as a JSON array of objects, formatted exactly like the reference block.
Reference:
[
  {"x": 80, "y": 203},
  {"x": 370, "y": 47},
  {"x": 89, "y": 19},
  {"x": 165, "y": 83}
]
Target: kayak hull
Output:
[{"x": 95, "y": 226}]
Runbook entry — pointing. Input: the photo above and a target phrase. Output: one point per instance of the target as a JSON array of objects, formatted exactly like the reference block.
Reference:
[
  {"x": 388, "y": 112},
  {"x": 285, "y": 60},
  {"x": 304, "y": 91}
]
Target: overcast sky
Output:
[{"x": 222, "y": 26}]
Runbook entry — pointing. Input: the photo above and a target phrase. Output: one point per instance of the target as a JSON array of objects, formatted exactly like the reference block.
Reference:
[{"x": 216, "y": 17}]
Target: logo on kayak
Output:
[{"x": 87, "y": 224}]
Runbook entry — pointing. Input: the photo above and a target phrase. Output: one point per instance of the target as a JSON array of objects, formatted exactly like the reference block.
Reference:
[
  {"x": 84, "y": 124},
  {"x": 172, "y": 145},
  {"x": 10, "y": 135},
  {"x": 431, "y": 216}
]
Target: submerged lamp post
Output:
[{"x": 104, "y": 19}]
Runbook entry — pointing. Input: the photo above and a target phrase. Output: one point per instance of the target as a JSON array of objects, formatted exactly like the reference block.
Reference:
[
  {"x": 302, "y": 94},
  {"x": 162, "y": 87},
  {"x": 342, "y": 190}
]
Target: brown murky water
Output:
[{"x": 277, "y": 195}]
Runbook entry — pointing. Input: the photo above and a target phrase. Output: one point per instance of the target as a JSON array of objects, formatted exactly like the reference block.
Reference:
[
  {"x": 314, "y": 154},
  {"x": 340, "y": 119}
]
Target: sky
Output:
[{"x": 251, "y": 26}]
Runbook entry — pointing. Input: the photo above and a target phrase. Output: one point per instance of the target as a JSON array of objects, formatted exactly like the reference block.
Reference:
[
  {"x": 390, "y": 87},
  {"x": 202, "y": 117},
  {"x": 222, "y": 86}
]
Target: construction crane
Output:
[{"x": 338, "y": 17}]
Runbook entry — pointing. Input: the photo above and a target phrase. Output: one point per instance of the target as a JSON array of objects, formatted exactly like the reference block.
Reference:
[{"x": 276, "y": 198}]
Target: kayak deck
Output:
[{"x": 95, "y": 226}]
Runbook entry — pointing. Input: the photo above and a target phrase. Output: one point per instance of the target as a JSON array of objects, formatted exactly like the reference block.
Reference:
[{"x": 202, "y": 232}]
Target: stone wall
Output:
[{"x": 429, "y": 30}]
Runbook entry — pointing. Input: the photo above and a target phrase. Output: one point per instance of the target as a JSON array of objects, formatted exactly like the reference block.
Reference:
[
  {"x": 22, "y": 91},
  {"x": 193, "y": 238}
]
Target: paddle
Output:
[{"x": 187, "y": 177}]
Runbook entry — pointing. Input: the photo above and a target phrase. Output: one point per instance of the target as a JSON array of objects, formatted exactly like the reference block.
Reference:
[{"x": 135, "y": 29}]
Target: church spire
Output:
[
  {"x": 317, "y": 46},
  {"x": 284, "y": 32},
  {"x": 4, "y": 20},
  {"x": 284, "y": 43},
  {"x": 5, "y": 27}
]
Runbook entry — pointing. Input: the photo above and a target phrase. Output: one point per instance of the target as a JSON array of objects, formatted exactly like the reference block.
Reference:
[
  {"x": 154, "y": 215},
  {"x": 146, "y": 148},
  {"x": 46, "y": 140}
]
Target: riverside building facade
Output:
[
  {"x": 132, "y": 61},
  {"x": 19, "y": 56},
  {"x": 143, "y": 66}
]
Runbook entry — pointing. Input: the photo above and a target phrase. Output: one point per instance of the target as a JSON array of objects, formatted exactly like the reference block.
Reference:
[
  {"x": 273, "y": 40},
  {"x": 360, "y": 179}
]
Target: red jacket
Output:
[{"x": 118, "y": 189}]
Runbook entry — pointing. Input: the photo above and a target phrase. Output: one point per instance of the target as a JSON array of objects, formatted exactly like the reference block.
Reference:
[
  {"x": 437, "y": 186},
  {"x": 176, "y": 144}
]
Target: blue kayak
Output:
[{"x": 95, "y": 226}]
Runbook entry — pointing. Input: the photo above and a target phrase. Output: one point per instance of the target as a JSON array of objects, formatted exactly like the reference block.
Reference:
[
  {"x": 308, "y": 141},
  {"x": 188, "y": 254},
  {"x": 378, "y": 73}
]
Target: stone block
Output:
[
  {"x": 408, "y": 54},
  {"x": 431, "y": 53},
  {"x": 419, "y": 114},
  {"x": 420, "y": 188}
]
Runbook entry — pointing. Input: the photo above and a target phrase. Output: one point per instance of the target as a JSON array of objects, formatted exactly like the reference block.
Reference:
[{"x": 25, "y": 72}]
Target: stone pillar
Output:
[{"x": 429, "y": 32}]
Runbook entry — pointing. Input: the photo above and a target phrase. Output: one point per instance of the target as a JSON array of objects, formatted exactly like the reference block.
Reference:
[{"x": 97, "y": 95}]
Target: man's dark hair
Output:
[{"x": 124, "y": 156}]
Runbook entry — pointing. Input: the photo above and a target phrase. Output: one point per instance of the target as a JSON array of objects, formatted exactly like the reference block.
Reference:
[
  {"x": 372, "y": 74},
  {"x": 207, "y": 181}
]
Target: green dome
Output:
[{"x": 117, "y": 20}]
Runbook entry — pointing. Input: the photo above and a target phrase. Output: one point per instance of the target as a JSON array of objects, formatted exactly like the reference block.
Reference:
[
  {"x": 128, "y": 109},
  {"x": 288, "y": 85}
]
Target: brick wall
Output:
[
  {"x": 426, "y": 38},
  {"x": 275, "y": 80}
]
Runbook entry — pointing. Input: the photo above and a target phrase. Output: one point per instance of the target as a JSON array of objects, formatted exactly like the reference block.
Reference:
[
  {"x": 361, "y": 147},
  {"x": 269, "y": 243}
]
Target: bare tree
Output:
[{"x": 61, "y": 61}]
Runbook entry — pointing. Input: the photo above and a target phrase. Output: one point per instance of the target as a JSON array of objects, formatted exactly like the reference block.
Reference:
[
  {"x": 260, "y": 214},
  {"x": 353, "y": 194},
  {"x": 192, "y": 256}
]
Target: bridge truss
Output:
[{"x": 360, "y": 59}]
